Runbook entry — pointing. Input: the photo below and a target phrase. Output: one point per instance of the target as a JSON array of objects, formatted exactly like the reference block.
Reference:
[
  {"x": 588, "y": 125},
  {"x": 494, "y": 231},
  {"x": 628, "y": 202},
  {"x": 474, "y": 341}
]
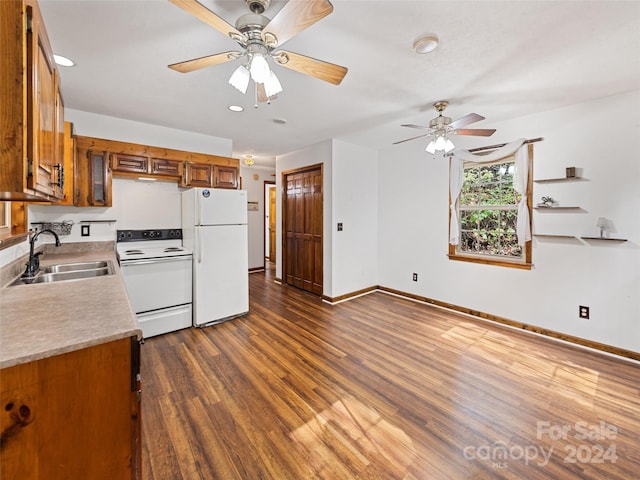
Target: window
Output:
[{"x": 487, "y": 208}]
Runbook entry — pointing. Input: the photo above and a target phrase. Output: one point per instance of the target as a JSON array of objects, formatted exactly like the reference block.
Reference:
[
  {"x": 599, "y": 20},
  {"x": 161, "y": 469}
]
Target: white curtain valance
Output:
[{"x": 520, "y": 182}]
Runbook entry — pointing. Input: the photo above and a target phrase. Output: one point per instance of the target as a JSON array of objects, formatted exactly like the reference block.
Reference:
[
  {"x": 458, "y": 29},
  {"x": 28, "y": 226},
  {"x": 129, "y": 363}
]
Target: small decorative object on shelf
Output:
[
  {"x": 547, "y": 202},
  {"x": 571, "y": 172},
  {"x": 602, "y": 224}
]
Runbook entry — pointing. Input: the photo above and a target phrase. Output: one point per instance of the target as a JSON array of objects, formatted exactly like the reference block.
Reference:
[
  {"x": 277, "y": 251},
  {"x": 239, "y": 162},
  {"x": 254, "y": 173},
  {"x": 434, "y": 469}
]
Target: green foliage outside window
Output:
[{"x": 488, "y": 211}]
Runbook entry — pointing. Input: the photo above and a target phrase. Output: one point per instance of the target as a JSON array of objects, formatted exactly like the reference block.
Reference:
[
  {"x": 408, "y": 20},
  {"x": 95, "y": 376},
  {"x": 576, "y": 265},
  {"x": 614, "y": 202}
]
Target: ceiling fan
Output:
[
  {"x": 441, "y": 127},
  {"x": 260, "y": 39}
]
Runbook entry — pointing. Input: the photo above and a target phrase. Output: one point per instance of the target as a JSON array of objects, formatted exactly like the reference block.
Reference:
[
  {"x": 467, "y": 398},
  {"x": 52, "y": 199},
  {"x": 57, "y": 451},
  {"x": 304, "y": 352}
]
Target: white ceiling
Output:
[{"x": 501, "y": 59}]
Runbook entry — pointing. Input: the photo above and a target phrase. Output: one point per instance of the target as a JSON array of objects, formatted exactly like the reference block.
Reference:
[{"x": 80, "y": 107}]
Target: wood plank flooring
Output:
[{"x": 380, "y": 387}]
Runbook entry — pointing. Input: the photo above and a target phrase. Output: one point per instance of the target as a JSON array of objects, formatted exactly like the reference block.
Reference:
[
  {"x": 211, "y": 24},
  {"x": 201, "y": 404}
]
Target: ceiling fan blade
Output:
[
  {"x": 329, "y": 72},
  {"x": 466, "y": 120},
  {"x": 296, "y": 16},
  {"x": 412, "y": 138},
  {"x": 207, "y": 16},
  {"x": 478, "y": 132},
  {"x": 411, "y": 125},
  {"x": 202, "y": 62}
]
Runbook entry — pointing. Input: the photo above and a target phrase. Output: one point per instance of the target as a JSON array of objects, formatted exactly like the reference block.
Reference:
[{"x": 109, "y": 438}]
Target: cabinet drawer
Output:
[
  {"x": 163, "y": 167},
  {"x": 129, "y": 163}
]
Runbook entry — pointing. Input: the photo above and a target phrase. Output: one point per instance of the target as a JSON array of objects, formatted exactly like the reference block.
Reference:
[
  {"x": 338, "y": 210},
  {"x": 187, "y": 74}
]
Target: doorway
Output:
[
  {"x": 302, "y": 229},
  {"x": 269, "y": 225}
]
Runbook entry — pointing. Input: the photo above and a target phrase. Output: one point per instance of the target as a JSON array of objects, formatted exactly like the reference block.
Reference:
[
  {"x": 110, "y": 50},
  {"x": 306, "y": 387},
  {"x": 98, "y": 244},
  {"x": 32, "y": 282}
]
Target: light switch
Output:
[{"x": 84, "y": 230}]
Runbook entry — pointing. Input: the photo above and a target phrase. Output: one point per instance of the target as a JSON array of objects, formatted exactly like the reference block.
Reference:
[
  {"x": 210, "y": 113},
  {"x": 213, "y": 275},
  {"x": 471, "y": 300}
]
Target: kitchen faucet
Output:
[{"x": 33, "y": 265}]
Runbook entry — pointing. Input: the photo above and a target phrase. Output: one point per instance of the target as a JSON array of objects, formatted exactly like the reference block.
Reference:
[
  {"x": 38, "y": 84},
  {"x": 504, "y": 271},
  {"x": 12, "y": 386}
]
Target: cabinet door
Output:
[
  {"x": 225, "y": 177},
  {"x": 166, "y": 168},
  {"x": 73, "y": 416},
  {"x": 42, "y": 97},
  {"x": 92, "y": 179},
  {"x": 198, "y": 175},
  {"x": 19, "y": 408},
  {"x": 129, "y": 163}
]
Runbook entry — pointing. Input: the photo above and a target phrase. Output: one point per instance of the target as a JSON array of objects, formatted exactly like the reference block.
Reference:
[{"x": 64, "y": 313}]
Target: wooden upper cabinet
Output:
[
  {"x": 225, "y": 177},
  {"x": 92, "y": 178},
  {"x": 129, "y": 163},
  {"x": 164, "y": 167},
  {"x": 197, "y": 175},
  {"x": 31, "y": 110}
]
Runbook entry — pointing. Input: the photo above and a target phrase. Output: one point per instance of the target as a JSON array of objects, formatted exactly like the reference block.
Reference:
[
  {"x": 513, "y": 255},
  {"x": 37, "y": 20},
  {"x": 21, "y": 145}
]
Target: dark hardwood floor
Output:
[{"x": 381, "y": 387}]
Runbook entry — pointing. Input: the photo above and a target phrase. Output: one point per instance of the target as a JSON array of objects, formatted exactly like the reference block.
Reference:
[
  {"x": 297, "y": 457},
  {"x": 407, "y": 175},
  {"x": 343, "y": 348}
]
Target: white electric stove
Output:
[{"x": 157, "y": 271}]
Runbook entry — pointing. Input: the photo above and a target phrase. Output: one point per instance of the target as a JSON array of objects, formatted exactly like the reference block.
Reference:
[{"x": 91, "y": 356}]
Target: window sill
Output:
[
  {"x": 10, "y": 240},
  {"x": 489, "y": 261}
]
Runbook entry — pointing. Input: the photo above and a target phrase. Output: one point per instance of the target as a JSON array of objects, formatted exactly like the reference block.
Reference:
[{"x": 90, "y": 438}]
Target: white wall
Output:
[
  {"x": 349, "y": 196},
  {"x": 320, "y": 153},
  {"x": 355, "y": 199},
  {"x": 100, "y": 126},
  {"x": 255, "y": 193},
  {"x": 598, "y": 138}
]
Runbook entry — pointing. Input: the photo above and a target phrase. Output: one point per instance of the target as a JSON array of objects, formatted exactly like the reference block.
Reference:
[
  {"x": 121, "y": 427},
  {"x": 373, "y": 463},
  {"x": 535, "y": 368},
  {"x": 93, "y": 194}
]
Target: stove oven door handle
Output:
[{"x": 180, "y": 258}]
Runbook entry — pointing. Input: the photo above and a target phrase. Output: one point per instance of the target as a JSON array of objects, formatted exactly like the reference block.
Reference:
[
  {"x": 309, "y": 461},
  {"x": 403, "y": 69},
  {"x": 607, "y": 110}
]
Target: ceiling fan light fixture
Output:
[
  {"x": 240, "y": 79},
  {"x": 426, "y": 43},
  {"x": 431, "y": 147},
  {"x": 272, "y": 86},
  {"x": 260, "y": 71},
  {"x": 448, "y": 145}
]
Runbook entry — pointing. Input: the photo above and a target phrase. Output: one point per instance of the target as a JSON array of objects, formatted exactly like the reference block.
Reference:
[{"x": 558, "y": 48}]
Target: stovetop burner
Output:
[{"x": 150, "y": 244}]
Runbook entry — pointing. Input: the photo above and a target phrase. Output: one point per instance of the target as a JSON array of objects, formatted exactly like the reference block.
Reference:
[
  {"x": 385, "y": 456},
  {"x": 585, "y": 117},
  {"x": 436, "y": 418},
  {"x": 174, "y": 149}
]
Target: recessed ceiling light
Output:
[
  {"x": 63, "y": 61},
  {"x": 236, "y": 108},
  {"x": 426, "y": 43}
]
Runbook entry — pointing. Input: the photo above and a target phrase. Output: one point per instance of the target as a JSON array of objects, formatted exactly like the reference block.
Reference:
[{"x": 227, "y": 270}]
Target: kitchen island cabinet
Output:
[
  {"x": 74, "y": 415},
  {"x": 69, "y": 378}
]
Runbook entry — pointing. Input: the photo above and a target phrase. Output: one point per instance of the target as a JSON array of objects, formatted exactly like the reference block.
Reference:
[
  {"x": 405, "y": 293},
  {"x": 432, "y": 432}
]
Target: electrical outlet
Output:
[
  {"x": 583, "y": 312},
  {"x": 340, "y": 226},
  {"x": 415, "y": 277}
]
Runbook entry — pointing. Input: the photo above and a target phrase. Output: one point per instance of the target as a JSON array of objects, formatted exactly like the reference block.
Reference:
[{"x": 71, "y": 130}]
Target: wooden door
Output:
[
  {"x": 272, "y": 224},
  {"x": 302, "y": 255}
]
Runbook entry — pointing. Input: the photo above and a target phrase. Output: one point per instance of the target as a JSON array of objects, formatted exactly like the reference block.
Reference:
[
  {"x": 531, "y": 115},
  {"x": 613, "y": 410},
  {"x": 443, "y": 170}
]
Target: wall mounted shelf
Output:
[
  {"x": 556, "y": 208},
  {"x": 605, "y": 239},
  {"x": 561, "y": 179},
  {"x": 97, "y": 221}
]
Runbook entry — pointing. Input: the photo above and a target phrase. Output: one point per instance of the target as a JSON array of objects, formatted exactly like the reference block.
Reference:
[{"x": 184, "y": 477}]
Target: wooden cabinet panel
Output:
[
  {"x": 92, "y": 179},
  {"x": 198, "y": 175},
  {"x": 74, "y": 415},
  {"x": 225, "y": 177},
  {"x": 31, "y": 110},
  {"x": 129, "y": 163},
  {"x": 164, "y": 167}
]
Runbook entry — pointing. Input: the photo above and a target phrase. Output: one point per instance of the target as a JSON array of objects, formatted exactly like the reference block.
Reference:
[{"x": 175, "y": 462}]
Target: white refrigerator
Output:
[{"x": 214, "y": 226}]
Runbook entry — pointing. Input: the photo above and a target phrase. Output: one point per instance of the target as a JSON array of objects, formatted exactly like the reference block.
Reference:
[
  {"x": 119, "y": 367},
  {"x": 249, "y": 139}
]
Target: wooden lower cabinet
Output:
[{"x": 73, "y": 416}]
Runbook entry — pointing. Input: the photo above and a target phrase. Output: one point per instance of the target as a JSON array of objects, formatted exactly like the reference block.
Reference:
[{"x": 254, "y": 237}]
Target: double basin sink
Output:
[{"x": 68, "y": 271}]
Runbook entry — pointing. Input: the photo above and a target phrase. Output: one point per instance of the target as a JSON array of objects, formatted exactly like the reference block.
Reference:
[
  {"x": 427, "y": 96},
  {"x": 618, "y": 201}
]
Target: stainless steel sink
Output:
[
  {"x": 69, "y": 271},
  {"x": 74, "y": 267}
]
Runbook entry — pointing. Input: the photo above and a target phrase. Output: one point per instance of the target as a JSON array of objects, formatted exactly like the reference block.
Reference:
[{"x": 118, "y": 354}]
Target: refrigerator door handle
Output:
[{"x": 199, "y": 245}]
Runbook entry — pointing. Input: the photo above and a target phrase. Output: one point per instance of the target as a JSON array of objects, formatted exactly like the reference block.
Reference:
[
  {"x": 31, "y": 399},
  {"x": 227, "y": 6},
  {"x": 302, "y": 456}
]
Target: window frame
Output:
[{"x": 526, "y": 261}]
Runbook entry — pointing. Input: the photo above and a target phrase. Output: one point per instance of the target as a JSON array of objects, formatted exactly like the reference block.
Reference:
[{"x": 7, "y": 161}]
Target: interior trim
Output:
[{"x": 583, "y": 342}]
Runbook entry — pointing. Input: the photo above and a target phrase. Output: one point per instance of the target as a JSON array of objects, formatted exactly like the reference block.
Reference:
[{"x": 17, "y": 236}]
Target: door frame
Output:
[
  {"x": 283, "y": 217},
  {"x": 265, "y": 190}
]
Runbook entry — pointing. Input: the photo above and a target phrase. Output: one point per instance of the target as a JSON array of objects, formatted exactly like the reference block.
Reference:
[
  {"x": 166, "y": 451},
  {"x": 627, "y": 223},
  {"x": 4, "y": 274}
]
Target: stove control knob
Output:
[{"x": 130, "y": 234}]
